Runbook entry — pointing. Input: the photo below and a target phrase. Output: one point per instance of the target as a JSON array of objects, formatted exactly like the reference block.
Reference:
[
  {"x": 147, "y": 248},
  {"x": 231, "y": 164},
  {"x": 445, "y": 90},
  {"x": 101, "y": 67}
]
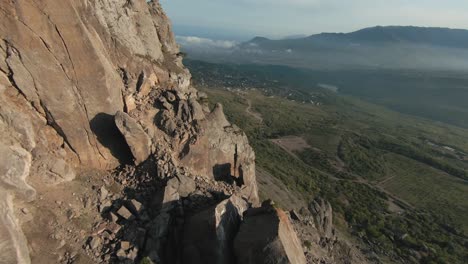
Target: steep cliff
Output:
[{"x": 110, "y": 155}]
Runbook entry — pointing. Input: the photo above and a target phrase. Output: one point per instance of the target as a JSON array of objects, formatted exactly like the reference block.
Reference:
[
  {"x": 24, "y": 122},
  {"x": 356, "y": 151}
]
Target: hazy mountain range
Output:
[{"x": 376, "y": 47}]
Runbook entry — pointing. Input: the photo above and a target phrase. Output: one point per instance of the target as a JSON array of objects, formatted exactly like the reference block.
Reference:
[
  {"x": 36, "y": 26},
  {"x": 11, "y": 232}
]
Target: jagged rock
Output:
[
  {"x": 197, "y": 110},
  {"x": 208, "y": 235},
  {"x": 217, "y": 116},
  {"x": 136, "y": 137},
  {"x": 267, "y": 236},
  {"x": 223, "y": 153},
  {"x": 147, "y": 84},
  {"x": 130, "y": 104},
  {"x": 183, "y": 113},
  {"x": 323, "y": 217},
  {"x": 295, "y": 216}
]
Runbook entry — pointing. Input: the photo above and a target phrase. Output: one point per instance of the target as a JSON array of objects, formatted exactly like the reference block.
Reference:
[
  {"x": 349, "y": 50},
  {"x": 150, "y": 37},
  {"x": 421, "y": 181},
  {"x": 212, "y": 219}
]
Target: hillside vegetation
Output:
[{"x": 398, "y": 182}]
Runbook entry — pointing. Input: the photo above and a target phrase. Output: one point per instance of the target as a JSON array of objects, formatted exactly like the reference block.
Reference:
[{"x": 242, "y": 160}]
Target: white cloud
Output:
[{"x": 197, "y": 42}]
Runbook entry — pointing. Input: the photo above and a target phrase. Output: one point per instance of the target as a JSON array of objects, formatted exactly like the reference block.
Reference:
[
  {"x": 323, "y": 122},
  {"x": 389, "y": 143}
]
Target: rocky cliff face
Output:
[{"x": 96, "y": 90}]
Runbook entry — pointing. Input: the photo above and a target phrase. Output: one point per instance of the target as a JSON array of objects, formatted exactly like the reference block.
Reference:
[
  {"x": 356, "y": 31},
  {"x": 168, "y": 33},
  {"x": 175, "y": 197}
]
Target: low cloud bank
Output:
[{"x": 191, "y": 42}]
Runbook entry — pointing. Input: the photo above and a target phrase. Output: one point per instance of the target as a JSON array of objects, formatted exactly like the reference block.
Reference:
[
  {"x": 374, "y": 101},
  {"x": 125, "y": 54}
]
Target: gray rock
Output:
[
  {"x": 136, "y": 137},
  {"x": 322, "y": 213}
]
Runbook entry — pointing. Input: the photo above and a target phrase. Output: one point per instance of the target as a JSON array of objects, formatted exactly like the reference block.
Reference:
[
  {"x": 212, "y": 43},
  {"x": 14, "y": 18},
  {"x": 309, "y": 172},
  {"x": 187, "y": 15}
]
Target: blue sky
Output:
[{"x": 277, "y": 18}]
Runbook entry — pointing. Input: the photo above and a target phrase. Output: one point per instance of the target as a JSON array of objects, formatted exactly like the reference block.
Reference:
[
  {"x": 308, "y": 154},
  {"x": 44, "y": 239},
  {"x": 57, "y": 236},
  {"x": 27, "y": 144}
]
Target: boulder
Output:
[
  {"x": 267, "y": 236},
  {"x": 209, "y": 235},
  {"x": 124, "y": 213},
  {"x": 137, "y": 139}
]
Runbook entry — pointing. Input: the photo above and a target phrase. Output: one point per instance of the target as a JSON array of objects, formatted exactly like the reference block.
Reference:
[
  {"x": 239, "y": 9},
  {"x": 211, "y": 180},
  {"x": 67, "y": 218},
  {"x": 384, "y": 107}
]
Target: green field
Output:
[{"x": 362, "y": 156}]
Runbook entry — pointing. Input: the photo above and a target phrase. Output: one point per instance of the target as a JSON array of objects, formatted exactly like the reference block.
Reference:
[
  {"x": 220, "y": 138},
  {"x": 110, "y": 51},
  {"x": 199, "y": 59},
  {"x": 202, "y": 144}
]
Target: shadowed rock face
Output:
[
  {"x": 210, "y": 234},
  {"x": 66, "y": 68},
  {"x": 267, "y": 236}
]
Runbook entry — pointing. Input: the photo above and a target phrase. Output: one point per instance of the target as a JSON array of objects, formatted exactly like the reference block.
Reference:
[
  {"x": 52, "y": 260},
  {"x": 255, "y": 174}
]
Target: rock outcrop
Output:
[
  {"x": 210, "y": 234},
  {"x": 267, "y": 236},
  {"x": 100, "y": 84},
  {"x": 322, "y": 243},
  {"x": 136, "y": 137}
]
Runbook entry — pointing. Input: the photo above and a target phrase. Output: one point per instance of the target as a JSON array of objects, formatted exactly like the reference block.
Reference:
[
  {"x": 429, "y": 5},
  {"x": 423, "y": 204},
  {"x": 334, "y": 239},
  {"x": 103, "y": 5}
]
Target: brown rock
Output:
[
  {"x": 197, "y": 110},
  {"x": 124, "y": 213},
  {"x": 136, "y": 137},
  {"x": 147, "y": 84},
  {"x": 267, "y": 236},
  {"x": 95, "y": 242},
  {"x": 125, "y": 245},
  {"x": 209, "y": 234},
  {"x": 129, "y": 103},
  {"x": 134, "y": 206}
]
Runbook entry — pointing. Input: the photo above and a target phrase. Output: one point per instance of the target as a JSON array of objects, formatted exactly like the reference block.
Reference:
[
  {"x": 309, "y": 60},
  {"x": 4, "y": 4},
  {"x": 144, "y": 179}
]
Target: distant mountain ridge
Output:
[{"x": 444, "y": 37}]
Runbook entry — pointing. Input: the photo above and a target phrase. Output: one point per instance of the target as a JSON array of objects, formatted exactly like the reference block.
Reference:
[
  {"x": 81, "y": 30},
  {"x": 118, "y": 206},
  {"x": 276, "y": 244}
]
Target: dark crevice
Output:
[{"x": 107, "y": 133}]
